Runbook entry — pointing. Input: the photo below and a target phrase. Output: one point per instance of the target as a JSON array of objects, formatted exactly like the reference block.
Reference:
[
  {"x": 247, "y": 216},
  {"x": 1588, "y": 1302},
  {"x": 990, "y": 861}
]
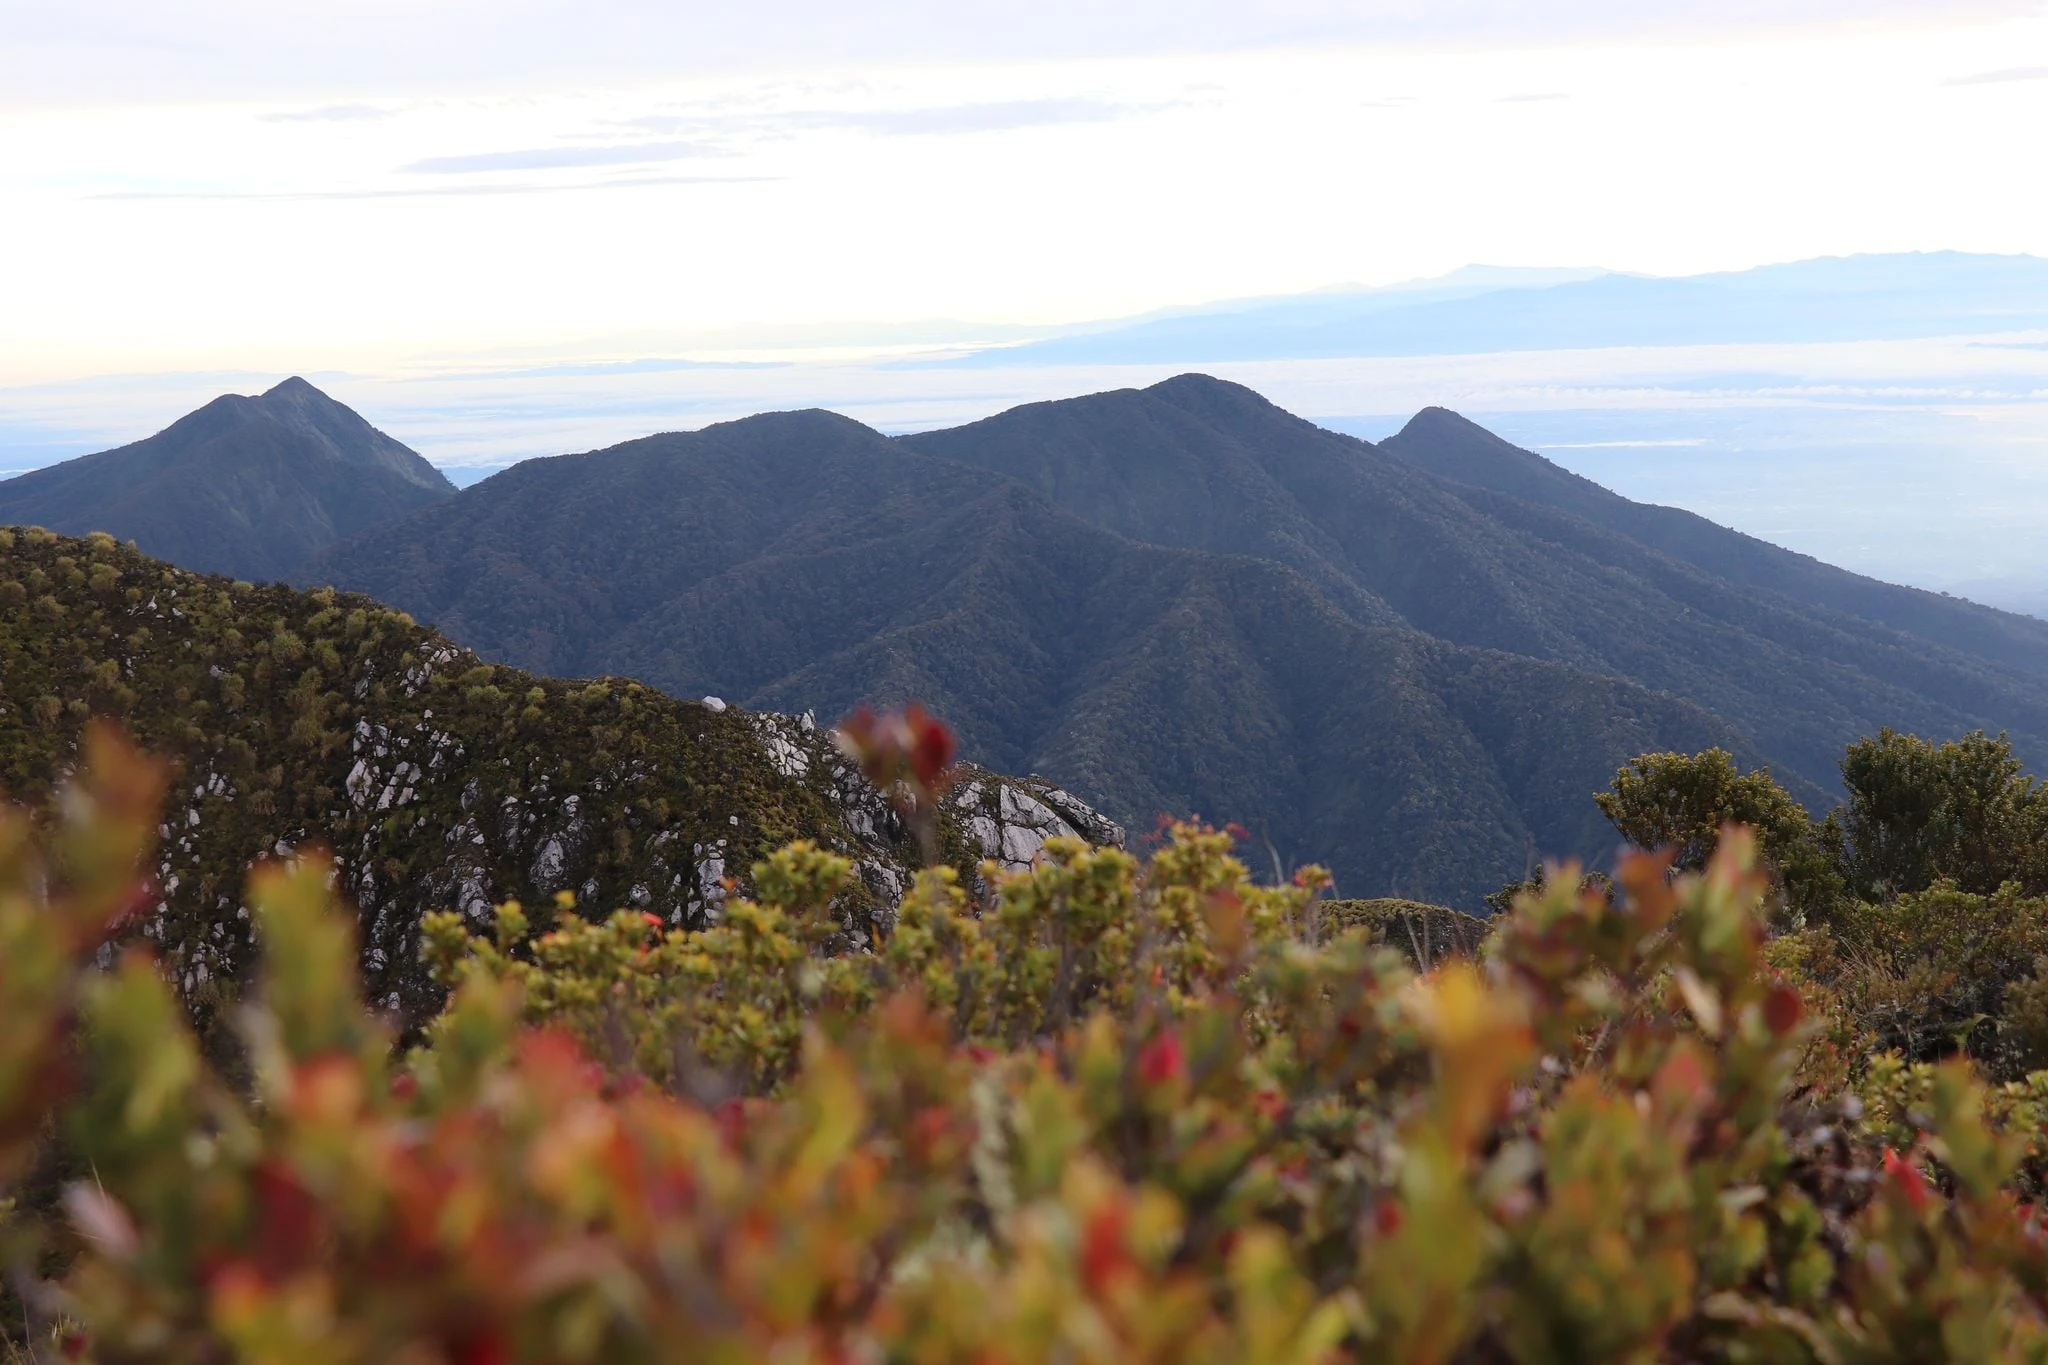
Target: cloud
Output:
[
  {"x": 122, "y": 51},
  {"x": 559, "y": 158},
  {"x": 332, "y": 113},
  {"x": 439, "y": 191},
  {"x": 2011, "y": 73},
  {"x": 989, "y": 117}
]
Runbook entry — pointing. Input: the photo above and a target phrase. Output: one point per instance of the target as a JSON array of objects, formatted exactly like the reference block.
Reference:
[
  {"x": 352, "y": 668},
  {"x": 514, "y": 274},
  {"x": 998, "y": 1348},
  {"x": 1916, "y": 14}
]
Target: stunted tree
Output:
[
  {"x": 1918, "y": 813},
  {"x": 1683, "y": 802}
]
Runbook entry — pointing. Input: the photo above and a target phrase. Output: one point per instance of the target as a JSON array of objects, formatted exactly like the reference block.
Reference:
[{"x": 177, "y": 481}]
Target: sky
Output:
[
  {"x": 506, "y": 228},
  {"x": 284, "y": 185}
]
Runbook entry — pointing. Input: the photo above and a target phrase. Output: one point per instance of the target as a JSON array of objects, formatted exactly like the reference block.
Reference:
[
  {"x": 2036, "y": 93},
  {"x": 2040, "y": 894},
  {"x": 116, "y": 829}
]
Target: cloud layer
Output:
[
  {"x": 68, "y": 52},
  {"x": 559, "y": 158}
]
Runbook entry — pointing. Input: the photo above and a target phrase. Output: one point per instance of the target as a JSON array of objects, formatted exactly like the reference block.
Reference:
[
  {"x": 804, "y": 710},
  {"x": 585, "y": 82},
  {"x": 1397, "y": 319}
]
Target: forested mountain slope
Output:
[
  {"x": 803, "y": 560},
  {"x": 1454, "y": 448},
  {"x": 1524, "y": 570},
  {"x": 249, "y": 487}
]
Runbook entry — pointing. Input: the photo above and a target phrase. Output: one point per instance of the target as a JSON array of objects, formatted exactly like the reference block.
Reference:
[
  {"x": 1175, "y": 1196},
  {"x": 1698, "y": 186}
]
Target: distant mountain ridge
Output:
[
  {"x": 1184, "y": 599},
  {"x": 1412, "y": 661},
  {"x": 1453, "y": 448},
  {"x": 249, "y": 487},
  {"x": 802, "y": 560},
  {"x": 1852, "y": 298},
  {"x": 1486, "y": 569}
]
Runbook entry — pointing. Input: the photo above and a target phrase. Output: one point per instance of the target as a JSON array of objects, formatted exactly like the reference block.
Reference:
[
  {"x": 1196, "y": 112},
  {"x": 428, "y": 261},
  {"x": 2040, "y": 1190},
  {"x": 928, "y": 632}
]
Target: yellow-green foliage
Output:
[{"x": 1088, "y": 929}]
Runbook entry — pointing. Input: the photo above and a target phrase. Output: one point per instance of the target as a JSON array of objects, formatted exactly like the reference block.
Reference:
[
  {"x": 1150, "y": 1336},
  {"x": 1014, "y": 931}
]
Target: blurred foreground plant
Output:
[{"x": 1120, "y": 1113}]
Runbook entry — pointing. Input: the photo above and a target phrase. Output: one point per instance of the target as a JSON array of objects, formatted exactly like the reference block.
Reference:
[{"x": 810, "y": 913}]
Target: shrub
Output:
[{"x": 1118, "y": 1113}]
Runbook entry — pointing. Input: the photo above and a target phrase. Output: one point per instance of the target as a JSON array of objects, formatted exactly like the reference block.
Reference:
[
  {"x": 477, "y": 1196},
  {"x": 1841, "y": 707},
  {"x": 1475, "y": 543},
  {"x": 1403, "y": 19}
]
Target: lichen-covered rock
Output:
[{"x": 439, "y": 781}]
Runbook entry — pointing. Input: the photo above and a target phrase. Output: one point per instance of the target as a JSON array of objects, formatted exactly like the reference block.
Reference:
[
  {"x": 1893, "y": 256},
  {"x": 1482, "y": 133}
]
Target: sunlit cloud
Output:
[
  {"x": 559, "y": 158},
  {"x": 981, "y": 118},
  {"x": 331, "y": 113},
  {"x": 933, "y": 120},
  {"x": 2015, "y": 73},
  {"x": 445, "y": 191}
]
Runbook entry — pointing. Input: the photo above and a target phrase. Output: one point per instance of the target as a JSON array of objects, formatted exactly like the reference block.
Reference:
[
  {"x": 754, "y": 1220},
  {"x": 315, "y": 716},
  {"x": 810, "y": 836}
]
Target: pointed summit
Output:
[
  {"x": 246, "y": 486},
  {"x": 1454, "y": 447}
]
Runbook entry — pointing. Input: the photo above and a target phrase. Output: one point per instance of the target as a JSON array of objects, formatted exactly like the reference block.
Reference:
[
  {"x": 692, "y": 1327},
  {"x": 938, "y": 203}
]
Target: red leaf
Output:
[
  {"x": 910, "y": 744},
  {"x": 931, "y": 746},
  {"x": 1907, "y": 1178},
  {"x": 1102, "y": 1247},
  {"x": 482, "y": 1346},
  {"x": 1163, "y": 1060},
  {"x": 288, "y": 1226},
  {"x": 731, "y": 1118},
  {"x": 929, "y": 1130},
  {"x": 1783, "y": 1009}
]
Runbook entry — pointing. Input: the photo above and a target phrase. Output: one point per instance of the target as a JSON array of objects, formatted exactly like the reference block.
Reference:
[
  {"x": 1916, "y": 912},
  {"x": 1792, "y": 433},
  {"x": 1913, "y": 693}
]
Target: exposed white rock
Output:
[
  {"x": 548, "y": 866},
  {"x": 1009, "y": 820}
]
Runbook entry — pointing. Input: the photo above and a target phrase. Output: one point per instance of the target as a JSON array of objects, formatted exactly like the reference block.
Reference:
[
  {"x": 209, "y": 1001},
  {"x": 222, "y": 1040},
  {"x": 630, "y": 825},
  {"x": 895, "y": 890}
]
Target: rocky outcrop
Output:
[
  {"x": 997, "y": 819},
  {"x": 1008, "y": 819}
]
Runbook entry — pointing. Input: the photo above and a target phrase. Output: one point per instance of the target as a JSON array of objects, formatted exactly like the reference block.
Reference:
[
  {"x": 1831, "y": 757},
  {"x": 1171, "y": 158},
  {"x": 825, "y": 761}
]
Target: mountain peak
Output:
[
  {"x": 294, "y": 387},
  {"x": 296, "y": 401},
  {"x": 1433, "y": 419},
  {"x": 1208, "y": 389},
  {"x": 1453, "y": 446},
  {"x": 250, "y": 486},
  {"x": 795, "y": 421}
]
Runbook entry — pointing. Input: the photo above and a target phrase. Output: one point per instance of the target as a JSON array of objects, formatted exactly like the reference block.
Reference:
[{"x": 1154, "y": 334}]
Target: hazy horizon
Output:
[{"x": 515, "y": 230}]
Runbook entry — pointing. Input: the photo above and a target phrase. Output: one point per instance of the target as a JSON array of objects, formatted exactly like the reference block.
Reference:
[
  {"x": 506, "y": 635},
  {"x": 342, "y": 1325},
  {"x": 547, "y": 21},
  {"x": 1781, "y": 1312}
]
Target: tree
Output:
[
  {"x": 1919, "y": 813},
  {"x": 1684, "y": 801}
]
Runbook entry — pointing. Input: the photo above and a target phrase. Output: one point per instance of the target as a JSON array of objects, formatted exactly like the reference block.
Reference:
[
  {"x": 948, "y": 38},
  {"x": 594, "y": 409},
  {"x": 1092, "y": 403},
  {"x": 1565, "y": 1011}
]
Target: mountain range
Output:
[
  {"x": 248, "y": 487},
  {"x": 1412, "y": 661}
]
